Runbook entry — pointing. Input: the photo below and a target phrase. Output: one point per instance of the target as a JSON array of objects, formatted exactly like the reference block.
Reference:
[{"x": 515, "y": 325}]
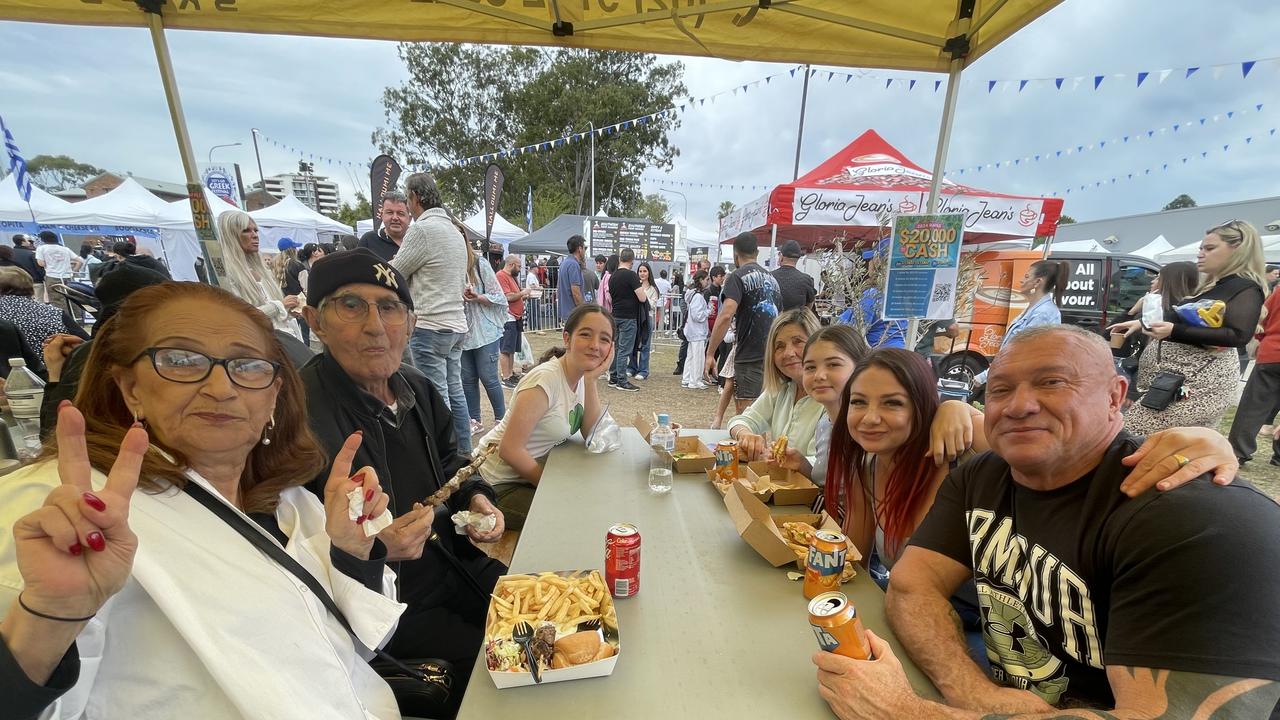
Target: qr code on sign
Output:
[{"x": 941, "y": 292}]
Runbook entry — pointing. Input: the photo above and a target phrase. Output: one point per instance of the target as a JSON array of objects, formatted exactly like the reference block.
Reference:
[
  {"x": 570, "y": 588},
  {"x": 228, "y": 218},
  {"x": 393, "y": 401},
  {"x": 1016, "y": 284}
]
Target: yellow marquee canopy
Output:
[{"x": 902, "y": 34}]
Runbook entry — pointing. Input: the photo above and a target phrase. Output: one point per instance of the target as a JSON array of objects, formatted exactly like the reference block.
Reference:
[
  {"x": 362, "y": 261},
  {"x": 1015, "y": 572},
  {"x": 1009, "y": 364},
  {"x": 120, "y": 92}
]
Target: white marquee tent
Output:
[
  {"x": 1090, "y": 246},
  {"x": 1188, "y": 252},
  {"x": 290, "y": 218},
  {"x": 1154, "y": 248},
  {"x": 363, "y": 226},
  {"x": 15, "y": 213},
  {"x": 503, "y": 231},
  {"x": 693, "y": 238}
]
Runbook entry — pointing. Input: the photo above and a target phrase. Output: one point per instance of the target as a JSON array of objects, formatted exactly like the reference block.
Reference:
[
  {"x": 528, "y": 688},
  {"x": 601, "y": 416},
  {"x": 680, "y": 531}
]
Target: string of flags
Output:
[
  {"x": 1246, "y": 68},
  {"x": 364, "y": 166},
  {"x": 604, "y": 131},
  {"x": 1114, "y": 142},
  {"x": 663, "y": 182},
  {"x": 1165, "y": 166}
]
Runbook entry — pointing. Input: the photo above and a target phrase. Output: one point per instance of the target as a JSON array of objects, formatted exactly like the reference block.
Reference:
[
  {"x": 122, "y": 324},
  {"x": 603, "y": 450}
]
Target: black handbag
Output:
[
  {"x": 1167, "y": 386},
  {"x": 421, "y": 687}
]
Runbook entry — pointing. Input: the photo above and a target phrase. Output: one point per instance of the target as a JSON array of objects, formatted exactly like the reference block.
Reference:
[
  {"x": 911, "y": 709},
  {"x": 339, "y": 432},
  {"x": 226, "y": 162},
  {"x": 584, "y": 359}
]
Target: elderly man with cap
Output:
[
  {"x": 797, "y": 286},
  {"x": 360, "y": 306}
]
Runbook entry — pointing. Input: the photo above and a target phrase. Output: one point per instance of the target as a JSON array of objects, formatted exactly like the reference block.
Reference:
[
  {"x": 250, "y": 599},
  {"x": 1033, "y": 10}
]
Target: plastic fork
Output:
[{"x": 522, "y": 633}]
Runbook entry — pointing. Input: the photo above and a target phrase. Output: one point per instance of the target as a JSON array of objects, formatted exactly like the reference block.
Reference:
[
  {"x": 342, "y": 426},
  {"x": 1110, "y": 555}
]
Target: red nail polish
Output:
[
  {"x": 96, "y": 541},
  {"x": 368, "y": 495},
  {"x": 358, "y": 478},
  {"x": 94, "y": 501},
  {"x": 360, "y": 520},
  {"x": 75, "y": 549}
]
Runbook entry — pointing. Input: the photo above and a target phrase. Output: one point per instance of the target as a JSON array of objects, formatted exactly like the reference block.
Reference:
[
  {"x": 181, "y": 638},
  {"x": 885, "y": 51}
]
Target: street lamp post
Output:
[
  {"x": 682, "y": 197},
  {"x": 215, "y": 147}
]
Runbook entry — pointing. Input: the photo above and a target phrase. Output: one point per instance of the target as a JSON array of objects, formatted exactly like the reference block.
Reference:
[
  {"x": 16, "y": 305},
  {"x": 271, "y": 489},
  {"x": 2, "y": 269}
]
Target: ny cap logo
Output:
[{"x": 384, "y": 275}]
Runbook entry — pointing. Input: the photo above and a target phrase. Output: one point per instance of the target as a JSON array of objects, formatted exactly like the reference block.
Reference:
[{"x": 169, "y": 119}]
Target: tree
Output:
[
  {"x": 1066, "y": 220},
  {"x": 60, "y": 172},
  {"x": 348, "y": 214},
  {"x": 726, "y": 207},
  {"x": 655, "y": 208},
  {"x": 464, "y": 100},
  {"x": 1182, "y": 201}
]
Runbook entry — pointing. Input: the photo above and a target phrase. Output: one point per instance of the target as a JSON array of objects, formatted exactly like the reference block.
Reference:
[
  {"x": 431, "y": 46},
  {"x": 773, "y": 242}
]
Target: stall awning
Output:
[{"x": 867, "y": 33}]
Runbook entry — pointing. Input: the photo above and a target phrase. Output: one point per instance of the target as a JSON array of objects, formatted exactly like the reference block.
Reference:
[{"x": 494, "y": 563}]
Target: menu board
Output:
[{"x": 649, "y": 241}]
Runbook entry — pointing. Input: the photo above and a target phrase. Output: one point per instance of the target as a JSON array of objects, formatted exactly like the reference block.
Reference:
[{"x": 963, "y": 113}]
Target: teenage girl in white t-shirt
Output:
[{"x": 554, "y": 400}]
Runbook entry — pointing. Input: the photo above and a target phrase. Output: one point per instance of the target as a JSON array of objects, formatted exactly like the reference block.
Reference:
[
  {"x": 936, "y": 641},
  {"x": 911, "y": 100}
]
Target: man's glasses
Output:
[
  {"x": 188, "y": 366},
  {"x": 353, "y": 308}
]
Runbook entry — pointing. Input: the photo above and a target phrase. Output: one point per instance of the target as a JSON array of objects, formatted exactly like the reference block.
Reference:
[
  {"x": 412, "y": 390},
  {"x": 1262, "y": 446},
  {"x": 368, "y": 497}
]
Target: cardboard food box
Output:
[
  {"x": 691, "y": 455},
  {"x": 789, "y": 486},
  {"x": 758, "y": 486},
  {"x": 761, "y": 530},
  {"x": 546, "y": 597}
]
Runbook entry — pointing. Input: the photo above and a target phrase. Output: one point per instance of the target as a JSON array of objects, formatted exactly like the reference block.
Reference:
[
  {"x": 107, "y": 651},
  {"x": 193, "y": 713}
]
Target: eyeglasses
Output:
[
  {"x": 353, "y": 308},
  {"x": 188, "y": 366}
]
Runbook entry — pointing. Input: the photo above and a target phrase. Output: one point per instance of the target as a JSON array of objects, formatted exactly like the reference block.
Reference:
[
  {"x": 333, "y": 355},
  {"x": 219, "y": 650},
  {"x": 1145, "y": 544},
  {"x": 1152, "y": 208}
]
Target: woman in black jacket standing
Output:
[{"x": 1202, "y": 346}]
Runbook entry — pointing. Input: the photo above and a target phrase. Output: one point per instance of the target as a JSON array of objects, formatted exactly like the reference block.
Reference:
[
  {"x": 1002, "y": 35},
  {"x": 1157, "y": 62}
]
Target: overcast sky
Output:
[{"x": 95, "y": 94}]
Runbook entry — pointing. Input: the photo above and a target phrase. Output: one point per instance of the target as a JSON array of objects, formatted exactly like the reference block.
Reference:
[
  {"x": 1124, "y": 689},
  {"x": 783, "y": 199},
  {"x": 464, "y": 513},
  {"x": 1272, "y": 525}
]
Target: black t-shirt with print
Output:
[
  {"x": 1074, "y": 579},
  {"x": 623, "y": 283},
  {"x": 759, "y": 299}
]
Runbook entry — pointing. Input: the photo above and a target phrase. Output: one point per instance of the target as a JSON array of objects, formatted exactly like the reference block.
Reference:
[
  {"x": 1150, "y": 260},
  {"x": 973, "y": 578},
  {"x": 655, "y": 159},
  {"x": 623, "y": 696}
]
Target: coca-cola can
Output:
[{"x": 622, "y": 560}]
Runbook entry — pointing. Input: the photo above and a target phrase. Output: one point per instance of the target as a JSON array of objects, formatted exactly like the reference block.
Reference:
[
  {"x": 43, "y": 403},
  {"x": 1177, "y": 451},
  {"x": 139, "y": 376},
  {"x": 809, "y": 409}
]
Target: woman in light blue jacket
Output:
[
  {"x": 486, "y": 309},
  {"x": 1042, "y": 285}
]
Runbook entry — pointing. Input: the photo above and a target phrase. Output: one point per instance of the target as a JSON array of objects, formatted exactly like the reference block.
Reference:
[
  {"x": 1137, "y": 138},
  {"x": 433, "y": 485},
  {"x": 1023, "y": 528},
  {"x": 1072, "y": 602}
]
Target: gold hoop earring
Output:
[{"x": 266, "y": 434}]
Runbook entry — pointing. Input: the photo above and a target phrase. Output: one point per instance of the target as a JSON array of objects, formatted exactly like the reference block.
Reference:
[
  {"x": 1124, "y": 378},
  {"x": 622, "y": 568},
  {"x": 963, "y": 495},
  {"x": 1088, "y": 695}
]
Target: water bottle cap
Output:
[
  {"x": 17, "y": 362},
  {"x": 664, "y": 419}
]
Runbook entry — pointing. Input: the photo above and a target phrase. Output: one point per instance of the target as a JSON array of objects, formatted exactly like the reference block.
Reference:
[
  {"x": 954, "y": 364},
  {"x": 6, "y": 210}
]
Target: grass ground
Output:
[{"x": 661, "y": 392}]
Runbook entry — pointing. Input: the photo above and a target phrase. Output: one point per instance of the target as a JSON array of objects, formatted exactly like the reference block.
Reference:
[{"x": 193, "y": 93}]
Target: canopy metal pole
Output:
[
  {"x": 773, "y": 244},
  {"x": 939, "y": 163},
  {"x": 804, "y": 101},
  {"x": 201, "y": 216}
]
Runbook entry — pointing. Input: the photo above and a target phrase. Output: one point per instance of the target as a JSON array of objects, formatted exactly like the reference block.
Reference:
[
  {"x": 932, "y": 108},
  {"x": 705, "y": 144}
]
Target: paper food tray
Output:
[{"x": 598, "y": 668}]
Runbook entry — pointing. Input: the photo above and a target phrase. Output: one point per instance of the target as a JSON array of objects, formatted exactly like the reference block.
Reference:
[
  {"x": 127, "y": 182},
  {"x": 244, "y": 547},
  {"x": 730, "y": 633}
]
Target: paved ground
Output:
[{"x": 661, "y": 392}]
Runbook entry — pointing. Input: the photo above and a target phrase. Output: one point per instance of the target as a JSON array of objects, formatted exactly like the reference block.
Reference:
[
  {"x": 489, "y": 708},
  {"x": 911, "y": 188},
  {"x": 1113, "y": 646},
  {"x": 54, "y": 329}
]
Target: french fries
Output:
[{"x": 563, "y": 600}]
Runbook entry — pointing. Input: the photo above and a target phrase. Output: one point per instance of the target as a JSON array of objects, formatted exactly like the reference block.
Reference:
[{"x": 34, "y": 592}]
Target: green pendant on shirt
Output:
[{"x": 575, "y": 418}]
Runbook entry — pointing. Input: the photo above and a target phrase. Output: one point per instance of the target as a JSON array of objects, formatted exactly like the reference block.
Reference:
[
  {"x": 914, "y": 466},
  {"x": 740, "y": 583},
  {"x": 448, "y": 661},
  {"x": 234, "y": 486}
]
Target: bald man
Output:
[{"x": 1160, "y": 605}]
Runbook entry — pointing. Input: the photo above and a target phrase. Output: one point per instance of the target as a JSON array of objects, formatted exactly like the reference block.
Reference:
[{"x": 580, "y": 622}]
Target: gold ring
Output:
[{"x": 1182, "y": 460}]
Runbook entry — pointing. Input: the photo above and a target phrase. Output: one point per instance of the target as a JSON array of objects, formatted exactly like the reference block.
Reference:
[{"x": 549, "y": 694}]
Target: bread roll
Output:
[{"x": 577, "y": 648}]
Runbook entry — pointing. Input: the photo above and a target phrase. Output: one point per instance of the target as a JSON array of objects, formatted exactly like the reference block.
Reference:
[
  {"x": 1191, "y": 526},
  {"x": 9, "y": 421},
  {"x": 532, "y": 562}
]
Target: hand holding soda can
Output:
[{"x": 837, "y": 627}]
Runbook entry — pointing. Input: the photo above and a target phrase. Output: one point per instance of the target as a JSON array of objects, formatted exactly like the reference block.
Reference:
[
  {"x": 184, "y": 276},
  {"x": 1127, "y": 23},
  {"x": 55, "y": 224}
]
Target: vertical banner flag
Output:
[
  {"x": 17, "y": 165},
  {"x": 220, "y": 178},
  {"x": 528, "y": 210},
  {"x": 924, "y": 264},
  {"x": 384, "y": 173},
  {"x": 214, "y": 265},
  {"x": 493, "y": 178}
]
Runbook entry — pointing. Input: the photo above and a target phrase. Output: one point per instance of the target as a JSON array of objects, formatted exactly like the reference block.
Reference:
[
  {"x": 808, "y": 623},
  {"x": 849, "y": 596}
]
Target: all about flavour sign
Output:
[{"x": 924, "y": 263}]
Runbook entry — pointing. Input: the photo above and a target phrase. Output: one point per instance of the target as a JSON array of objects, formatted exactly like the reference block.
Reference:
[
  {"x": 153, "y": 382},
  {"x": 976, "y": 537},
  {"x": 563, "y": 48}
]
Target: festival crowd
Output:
[{"x": 188, "y": 542}]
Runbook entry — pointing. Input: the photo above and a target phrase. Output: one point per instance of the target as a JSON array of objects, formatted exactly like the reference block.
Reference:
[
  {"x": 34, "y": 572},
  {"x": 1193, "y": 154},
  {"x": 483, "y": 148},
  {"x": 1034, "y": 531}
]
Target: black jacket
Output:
[
  {"x": 26, "y": 259},
  {"x": 337, "y": 408}
]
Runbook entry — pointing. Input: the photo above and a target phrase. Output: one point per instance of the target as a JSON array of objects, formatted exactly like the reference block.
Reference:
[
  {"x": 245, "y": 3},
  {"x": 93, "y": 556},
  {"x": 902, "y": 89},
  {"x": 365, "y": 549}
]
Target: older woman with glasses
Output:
[
  {"x": 361, "y": 308},
  {"x": 142, "y": 539}
]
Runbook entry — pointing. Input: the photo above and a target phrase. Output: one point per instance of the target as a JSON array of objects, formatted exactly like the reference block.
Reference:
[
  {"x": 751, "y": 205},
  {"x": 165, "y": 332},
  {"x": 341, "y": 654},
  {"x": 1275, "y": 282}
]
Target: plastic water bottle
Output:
[
  {"x": 663, "y": 442},
  {"x": 25, "y": 391}
]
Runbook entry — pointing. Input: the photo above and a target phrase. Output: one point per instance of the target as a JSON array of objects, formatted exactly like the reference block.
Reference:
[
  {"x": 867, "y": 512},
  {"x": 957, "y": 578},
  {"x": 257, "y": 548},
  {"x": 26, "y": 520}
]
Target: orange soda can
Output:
[
  {"x": 727, "y": 460},
  {"x": 836, "y": 624},
  {"x": 824, "y": 563}
]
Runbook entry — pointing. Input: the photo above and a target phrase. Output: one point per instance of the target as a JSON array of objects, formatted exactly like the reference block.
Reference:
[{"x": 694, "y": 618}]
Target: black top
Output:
[
  {"x": 1080, "y": 577},
  {"x": 623, "y": 284},
  {"x": 414, "y": 451},
  {"x": 13, "y": 345},
  {"x": 379, "y": 243},
  {"x": 797, "y": 287},
  {"x": 1244, "y": 305},
  {"x": 291, "y": 284},
  {"x": 759, "y": 299},
  {"x": 26, "y": 259}
]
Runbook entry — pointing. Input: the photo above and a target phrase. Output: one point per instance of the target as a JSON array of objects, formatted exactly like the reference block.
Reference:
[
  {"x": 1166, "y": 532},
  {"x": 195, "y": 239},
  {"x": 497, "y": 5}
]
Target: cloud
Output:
[{"x": 95, "y": 94}]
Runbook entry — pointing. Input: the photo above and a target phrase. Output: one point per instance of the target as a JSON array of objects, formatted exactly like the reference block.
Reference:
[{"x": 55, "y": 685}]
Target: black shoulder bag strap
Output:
[{"x": 277, "y": 553}]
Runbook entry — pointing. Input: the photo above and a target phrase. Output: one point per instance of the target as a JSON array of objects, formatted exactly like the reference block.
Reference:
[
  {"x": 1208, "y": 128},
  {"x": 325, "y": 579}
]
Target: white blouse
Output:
[{"x": 209, "y": 627}]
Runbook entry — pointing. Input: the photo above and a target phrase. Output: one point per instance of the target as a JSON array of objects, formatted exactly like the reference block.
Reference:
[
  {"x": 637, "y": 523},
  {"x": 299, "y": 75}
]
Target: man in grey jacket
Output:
[{"x": 433, "y": 256}]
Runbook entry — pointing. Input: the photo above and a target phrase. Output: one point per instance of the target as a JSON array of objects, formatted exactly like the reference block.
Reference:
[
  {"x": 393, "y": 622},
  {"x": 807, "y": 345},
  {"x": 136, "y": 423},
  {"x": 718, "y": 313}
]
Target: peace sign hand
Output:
[{"x": 76, "y": 551}]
